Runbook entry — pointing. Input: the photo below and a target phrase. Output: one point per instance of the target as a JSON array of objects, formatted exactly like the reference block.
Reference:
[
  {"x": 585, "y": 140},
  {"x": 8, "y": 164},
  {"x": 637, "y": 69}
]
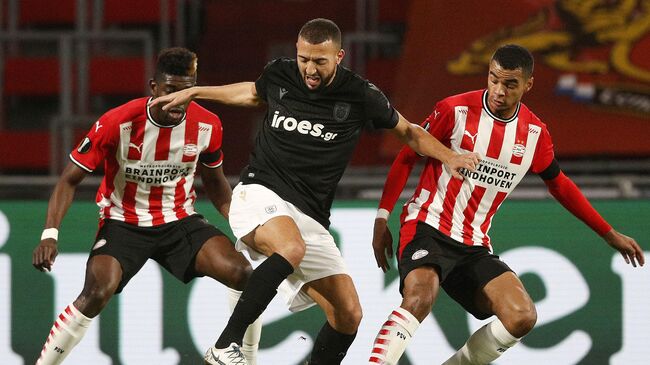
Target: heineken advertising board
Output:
[{"x": 592, "y": 307}]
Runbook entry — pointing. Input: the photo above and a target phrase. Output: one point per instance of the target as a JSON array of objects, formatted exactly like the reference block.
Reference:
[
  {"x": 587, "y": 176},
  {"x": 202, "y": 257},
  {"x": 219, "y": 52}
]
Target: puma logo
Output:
[
  {"x": 97, "y": 126},
  {"x": 435, "y": 114},
  {"x": 137, "y": 147},
  {"x": 471, "y": 137}
]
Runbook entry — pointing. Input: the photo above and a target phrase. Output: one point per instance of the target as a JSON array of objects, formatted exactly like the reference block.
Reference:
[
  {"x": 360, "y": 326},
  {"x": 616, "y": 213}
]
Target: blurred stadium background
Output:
[{"x": 64, "y": 63}]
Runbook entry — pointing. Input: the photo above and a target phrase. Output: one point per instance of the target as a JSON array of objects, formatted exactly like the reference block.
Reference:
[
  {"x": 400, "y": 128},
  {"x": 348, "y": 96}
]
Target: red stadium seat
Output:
[
  {"x": 135, "y": 12},
  {"x": 31, "y": 76},
  {"x": 39, "y": 12},
  {"x": 12, "y": 150},
  {"x": 381, "y": 72},
  {"x": 117, "y": 75}
]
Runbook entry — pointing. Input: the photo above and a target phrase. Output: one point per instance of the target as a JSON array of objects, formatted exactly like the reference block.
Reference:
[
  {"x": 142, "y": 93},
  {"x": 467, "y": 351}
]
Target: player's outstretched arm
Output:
[
  {"x": 427, "y": 145},
  {"x": 217, "y": 187},
  {"x": 45, "y": 253},
  {"x": 239, "y": 94},
  {"x": 382, "y": 240},
  {"x": 569, "y": 195}
]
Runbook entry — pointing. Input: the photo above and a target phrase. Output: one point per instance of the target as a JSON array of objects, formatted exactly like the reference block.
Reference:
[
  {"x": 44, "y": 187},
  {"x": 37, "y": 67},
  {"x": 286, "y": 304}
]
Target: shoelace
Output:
[{"x": 236, "y": 355}]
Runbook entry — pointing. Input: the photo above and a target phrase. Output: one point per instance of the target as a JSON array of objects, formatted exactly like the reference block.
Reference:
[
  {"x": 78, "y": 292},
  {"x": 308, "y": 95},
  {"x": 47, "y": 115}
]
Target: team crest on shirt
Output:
[
  {"x": 341, "y": 111},
  {"x": 419, "y": 254},
  {"x": 85, "y": 145},
  {"x": 99, "y": 244},
  {"x": 271, "y": 209},
  {"x": 518, "y": 150},
  {"x": 190, "y": 150}
]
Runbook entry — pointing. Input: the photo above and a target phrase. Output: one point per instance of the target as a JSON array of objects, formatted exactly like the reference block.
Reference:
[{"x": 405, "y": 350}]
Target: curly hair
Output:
[{"x": 176, "y": 61}]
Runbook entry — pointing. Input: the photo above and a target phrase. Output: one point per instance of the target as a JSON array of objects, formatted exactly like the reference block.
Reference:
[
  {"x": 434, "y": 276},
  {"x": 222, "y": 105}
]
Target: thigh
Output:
[
  {"x": 128, "y": 245},
  {"x": 275, "y": 236},
  {"x": 467, "y": 282},
  {"x": 334, "y": 293},
  {"x": 503, "y": 295},
  {"x": 103, "y": 272},
  {"x": 219, "y": 260}
]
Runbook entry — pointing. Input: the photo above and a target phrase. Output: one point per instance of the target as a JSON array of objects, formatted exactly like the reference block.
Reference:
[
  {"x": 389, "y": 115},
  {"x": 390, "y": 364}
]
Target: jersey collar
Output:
[
  {"x": 150, "y": 118},
  {"x": 487, "y": 110}
]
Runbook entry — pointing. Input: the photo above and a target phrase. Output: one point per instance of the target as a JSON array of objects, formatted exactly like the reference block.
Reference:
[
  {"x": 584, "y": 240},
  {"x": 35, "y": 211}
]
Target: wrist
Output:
[
  {"x": 382, "y": 214},
  {"x": 50, "y": 233}
]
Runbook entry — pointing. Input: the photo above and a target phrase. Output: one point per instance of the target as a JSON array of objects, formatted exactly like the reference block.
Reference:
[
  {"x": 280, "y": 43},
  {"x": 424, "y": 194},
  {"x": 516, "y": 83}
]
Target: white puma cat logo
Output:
[
  {"x": 472, "y": 137},
  {"x": 97, "y": 126},
  {"x": 137, "y": 147}
]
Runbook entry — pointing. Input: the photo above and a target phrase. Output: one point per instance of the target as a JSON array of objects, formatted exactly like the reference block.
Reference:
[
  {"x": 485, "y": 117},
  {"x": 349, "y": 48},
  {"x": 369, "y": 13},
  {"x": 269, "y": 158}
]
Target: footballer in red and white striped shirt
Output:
[
  {"x": 444, "y": 238},
  {"x": 146, "y": 200}
]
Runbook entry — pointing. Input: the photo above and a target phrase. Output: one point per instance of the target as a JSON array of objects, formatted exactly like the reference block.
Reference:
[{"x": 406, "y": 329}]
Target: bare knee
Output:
[
  {"x": 293, "y": 251},
  {"x": 239, "y": 276},
  {"x": 348, "y": 317},
  {"x": 93, "y": 299},
  {"x": 520, "y": 320},
  {"x": 418, "y": 303}
]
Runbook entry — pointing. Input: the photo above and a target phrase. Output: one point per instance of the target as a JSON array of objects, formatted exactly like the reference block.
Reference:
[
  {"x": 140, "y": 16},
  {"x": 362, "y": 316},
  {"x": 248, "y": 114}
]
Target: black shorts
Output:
[
  {"x": 462, "y": 269},
  {"x": 173, "y": 245}
]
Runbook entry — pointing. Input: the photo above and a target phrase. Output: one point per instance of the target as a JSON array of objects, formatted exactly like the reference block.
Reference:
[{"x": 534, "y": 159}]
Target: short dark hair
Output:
[
  {"x": 176, "y": 61},
  {"x": 513, "y": 56},
  {"x": 320, "y": 30}
]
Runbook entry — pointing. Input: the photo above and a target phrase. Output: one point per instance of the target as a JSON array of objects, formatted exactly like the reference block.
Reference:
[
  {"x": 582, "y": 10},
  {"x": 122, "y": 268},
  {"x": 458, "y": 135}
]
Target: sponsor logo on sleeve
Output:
[{"x": 85, "y": 145}]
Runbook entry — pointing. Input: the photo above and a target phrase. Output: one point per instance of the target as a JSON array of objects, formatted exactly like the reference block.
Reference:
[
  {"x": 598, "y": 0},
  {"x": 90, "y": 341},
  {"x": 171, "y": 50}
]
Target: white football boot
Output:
[{"x": 231, "y": 355}]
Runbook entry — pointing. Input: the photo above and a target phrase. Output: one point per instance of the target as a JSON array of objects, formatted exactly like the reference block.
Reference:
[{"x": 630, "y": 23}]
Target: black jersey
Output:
[{"x": 307, "y": 137}]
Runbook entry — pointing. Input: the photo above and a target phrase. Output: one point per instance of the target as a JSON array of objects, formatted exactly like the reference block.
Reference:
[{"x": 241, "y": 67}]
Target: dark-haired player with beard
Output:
[
  {"x": 444, "y": 238},
  {"x": 280, "y": 209},
  {"x": 146, "y": 201}
]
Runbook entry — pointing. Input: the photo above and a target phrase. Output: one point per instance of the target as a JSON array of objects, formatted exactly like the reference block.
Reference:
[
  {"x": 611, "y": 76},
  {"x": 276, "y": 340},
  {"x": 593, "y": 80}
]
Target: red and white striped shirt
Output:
[
  {"x": 149, "y": 168},
  {"x": 463, "y": 210}
]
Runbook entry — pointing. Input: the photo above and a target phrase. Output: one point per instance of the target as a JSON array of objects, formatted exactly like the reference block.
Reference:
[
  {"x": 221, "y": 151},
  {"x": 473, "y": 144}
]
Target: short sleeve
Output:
[
  {"x": 95, "y": 146},
  {"x": 263, "y": 80},
  {"x": 378, "y": 109},
  {"x": 544, "y": 153},
  {"x": 440, "y": 123},
  {"x": 212, "y": 156}
]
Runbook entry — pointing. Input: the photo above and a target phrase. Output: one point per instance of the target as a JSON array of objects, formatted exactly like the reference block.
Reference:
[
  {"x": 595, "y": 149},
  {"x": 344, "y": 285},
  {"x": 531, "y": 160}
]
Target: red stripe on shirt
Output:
[
  {"x": 162, "y": 144},
  {"x": 446, "y": 216},
  {"x": 498, "y": 199},
  {"x": 155, "y": 205},
  {"x": 179, "y": 199},
  {"x": 470, "y": 212},
  {"x": 128, "y": 202},
  {"x": 496, "y": 140}
]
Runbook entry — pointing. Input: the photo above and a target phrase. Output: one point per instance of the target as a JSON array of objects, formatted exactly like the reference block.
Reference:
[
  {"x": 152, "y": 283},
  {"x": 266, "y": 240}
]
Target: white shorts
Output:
[{"x": 253, "y": 205}]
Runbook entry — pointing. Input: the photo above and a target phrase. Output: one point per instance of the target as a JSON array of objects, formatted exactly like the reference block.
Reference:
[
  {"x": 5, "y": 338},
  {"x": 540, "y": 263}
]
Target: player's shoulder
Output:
[
  {"x": 201, "y": 114},
  {"x": 528, "y": 115},
  {"x": 128, "y": 111},
  {"x": 281, "y": 64}
]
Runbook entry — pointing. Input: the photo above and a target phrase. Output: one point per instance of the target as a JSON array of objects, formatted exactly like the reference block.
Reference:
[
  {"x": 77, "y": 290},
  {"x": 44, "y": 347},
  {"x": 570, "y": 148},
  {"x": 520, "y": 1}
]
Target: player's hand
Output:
[
  {"x": 45, "y": 254},
  {"x": 178, "y": 98},
  {"x": 627, "y": 246},
  {"x": 382, "y": 243},
  {"x": 468, "y": 161}
]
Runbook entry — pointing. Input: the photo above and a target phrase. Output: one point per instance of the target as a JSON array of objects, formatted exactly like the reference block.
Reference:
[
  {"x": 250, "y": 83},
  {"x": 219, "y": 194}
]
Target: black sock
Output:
[
  {"x": 260, "y": 290},
  {"x": 330, "y": 346}
]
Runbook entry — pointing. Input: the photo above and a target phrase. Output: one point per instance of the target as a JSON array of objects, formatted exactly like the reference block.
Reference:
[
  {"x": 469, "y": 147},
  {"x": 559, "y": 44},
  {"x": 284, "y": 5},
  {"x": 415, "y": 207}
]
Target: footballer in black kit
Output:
[
  {"x": 280, "y": 209},
  {"x": 308, "y": 136}
]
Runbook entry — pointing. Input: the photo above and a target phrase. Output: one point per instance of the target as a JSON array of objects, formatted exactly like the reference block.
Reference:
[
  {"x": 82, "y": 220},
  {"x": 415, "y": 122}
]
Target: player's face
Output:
[
  {"x": 167, "y": 84},
  {"x": 317, "y": 62},
  {"x": 505, "y": 89}
]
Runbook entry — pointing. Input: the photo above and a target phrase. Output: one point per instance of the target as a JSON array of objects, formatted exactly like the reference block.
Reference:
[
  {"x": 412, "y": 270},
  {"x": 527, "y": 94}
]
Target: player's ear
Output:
[
  {"x": 153, "y": 86},
  {"x": 529, "y": 83},
  {"x": 340, "y": 55}
]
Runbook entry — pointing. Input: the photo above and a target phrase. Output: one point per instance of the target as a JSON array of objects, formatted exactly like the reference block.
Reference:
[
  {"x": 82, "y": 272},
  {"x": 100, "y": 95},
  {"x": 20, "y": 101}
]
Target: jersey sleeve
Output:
[
  {"x": 212, "y": 156},
  {"x": 96, "y": 145},
  {"x": 263, "y": 80},
  {"x": 378, "y": 108},
  {"x": 440, "y": 123},
  {"x": 544, "y": 153}
]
